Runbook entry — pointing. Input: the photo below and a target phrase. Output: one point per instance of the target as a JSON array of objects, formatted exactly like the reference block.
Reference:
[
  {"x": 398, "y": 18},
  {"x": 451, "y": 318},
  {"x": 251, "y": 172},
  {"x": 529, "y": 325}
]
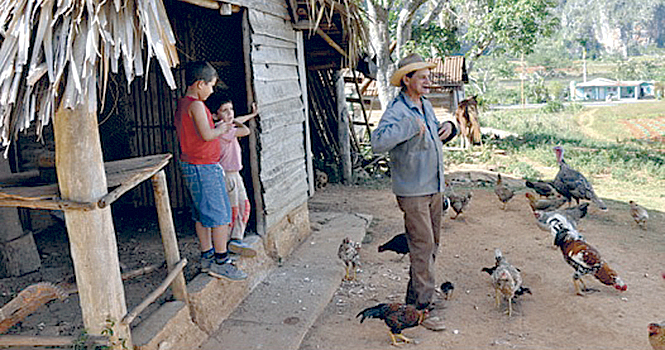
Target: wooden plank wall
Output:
[{"x": 278, "y": 92}]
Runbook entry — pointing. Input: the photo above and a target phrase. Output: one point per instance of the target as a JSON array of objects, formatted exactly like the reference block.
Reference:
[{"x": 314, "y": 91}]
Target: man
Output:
[{"x": 410, "y": 132}]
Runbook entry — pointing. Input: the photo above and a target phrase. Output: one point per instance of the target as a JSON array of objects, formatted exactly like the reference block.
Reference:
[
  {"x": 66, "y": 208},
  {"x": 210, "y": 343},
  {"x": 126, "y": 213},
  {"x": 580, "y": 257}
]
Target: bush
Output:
[{"x": 553, "y": 107}]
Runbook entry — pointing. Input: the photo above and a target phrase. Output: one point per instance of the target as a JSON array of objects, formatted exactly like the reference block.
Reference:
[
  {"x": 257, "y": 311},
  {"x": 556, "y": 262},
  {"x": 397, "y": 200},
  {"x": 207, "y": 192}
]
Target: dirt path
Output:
[{"x": 552, "y": 318}]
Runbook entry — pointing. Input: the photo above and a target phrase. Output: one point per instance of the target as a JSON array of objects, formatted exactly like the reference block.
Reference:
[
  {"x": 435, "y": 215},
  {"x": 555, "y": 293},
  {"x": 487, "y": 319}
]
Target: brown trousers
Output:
[{"x": 422, "y": 221}]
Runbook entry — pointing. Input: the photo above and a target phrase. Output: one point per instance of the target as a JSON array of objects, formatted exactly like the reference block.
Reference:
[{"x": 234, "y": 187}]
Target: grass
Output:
[{"x": 620, "y": 167}]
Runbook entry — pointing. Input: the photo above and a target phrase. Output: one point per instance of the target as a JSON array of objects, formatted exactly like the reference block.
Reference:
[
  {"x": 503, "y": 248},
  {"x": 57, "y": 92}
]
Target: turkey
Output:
[{"x": 572, "y": 184}]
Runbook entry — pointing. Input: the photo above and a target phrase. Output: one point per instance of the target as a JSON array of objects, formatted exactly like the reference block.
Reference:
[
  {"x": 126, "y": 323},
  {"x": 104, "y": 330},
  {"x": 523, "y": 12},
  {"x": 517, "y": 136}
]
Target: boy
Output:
[
  {"x": 200, "y": 153},
  {"x": 232, "y": 164}
]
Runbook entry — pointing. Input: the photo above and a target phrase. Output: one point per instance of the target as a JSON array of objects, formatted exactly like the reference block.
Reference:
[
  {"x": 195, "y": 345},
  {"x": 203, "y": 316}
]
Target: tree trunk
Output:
[
  {"x": 403, "y": 30},
  {"x": 81, "y": 177},
  {"x": 18, "y": 252},
  {"x": 380, "y": 38},
  {"x": 343, "y": 130}
]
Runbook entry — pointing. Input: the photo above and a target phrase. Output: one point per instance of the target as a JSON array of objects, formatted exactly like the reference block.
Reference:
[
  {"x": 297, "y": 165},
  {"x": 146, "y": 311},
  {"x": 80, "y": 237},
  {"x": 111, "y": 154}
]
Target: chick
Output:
[
  {"x": 639, "y": 214},
  {"x": 447, "y": 289}
]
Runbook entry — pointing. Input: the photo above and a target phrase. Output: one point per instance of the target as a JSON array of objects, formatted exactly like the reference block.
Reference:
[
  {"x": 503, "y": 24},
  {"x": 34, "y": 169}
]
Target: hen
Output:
[
  {"x": 639, "y": 214},
  {"x": 397, "y": 317},
  {"x": 545, "y": 204},
  {"x": 572, "y": 184},
  {"x": 506, "y": 280},
  {"x": 543, "y": 188},
  {"x": 545, "y": 218},
  {"x": 349, "y": 252},
  {"x": 657, "y": 336},
  {"x": 458, "y": 202},
  {"x": 397, "y": 244},
  {"x": 502, "y": 191},
  {"x": 584, "y": 258}
]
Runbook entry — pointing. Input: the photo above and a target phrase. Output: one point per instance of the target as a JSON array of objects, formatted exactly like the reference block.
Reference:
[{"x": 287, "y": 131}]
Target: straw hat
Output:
[{"x": 408, "y": 64}]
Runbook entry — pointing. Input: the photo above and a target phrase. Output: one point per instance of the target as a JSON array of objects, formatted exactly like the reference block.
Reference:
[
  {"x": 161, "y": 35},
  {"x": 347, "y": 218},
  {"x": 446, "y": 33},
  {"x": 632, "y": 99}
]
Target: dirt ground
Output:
[{"x": 552, "y": 318}]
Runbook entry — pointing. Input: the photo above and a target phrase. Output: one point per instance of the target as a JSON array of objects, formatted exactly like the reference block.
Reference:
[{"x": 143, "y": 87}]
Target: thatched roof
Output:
[
  {"x": 319, "y": 14},
  {"x": 61, "y": 52}
]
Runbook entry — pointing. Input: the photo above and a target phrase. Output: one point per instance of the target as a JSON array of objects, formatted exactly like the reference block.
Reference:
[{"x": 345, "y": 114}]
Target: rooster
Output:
[
  {"x": 657, "y": 335},
  {"x": 584, "y": 258},
  {"x": 502, "y": 191},
  {"x": 544, "y": 204},
  {"x": 572, "y": 184},
  {"x": 506, "y": 280},
  {"x": 349, "y": 252},
  {"x": 543, "y": 188},
  {"x": 639, "y": 214},
  {"x": 396, "y": 316}
]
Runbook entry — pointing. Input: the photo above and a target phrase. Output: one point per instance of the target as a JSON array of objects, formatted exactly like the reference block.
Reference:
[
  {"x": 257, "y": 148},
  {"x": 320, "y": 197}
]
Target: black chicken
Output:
[
  {"x": 447, "y": 289},
  {"x": 397, "y": 244},
  {"x": 396, "y": 316},
  {"x": 572, "y": 184}
]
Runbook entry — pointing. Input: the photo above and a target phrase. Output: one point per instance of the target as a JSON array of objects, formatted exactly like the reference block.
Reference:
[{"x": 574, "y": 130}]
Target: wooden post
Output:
[
  {"x": 18, "y": 252},
  {"x": 94, "y": 250},
  {"x": 302, "y": 71},
  {"x": 343, "y": 129},
  {"x": 167, "y": 229}
]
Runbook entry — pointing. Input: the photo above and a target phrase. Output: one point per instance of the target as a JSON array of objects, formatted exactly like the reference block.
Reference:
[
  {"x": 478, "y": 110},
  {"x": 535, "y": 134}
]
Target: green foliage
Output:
[
  {"x": 553, "y": 107},
  {"x": 424, "y": 39}
]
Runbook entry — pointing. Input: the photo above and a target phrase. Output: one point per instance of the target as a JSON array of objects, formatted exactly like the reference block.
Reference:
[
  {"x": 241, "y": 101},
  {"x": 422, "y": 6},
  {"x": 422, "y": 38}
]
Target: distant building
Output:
[{"x": 602, "y": 89}]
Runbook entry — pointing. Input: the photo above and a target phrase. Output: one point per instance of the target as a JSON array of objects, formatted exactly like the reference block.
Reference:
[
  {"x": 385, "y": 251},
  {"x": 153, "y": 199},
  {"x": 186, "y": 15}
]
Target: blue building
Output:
[{"x": 611, "y": 90}]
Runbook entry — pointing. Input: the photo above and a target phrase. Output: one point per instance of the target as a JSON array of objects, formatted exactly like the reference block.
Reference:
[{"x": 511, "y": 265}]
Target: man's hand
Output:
[{"x": 422, "y": 128}]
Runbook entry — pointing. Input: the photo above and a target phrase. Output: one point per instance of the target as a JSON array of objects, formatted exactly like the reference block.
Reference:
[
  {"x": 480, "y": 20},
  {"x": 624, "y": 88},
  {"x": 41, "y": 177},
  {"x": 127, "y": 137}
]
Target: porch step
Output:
[{"x": 278, "y": 313}]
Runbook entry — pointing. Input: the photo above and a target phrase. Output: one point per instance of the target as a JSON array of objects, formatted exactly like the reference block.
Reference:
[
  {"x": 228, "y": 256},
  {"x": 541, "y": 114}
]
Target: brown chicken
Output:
[
  {"x": 639, "y": 214},
  {"x": 397, "y": 317},
  {"x": 544, "y": 204},
  {"x": 502, "y": 191},
  {"x": 458, "y": 202},
  {"x": 584, "y": 258},
  {"x": 543, "y": 188},
  {"x": 657, "y": 336},
  {"x": 572, "y": 184},
  {"x": 349, "y": 252}
]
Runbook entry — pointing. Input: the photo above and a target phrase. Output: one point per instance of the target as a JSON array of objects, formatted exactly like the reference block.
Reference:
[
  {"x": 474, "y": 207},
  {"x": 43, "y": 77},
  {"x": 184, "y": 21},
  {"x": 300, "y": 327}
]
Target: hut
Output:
[
  {"x": 282, "y": 54},
  {"x": 601, "y": 89}
]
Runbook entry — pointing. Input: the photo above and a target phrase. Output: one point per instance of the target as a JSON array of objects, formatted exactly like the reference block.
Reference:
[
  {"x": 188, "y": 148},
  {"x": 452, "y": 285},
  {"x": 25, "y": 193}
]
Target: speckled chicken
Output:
[
  {"x": 584, "y": 258},
  {"x": 657, "y": 335},
  {"x": 502, "y": 191},
  {"x": 349, "y": 252},
  {"x": 639, "y": 214},
  {"x": 544, "y": 204},
  {"x": 543, "y": 188},
  {"x": 506, "y": 280},
  {"x": 572, "y": 184},
  {"x": 396, "y": 316}
]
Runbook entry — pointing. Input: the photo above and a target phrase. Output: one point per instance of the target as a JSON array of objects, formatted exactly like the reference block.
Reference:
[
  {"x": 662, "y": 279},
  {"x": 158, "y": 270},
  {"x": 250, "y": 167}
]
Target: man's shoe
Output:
[
  {"x": 434, "y": 323},
  {"x": 239, "y": 247},
  {"x": 206, "y": 263},
  {"x": 226, "y": 270}
]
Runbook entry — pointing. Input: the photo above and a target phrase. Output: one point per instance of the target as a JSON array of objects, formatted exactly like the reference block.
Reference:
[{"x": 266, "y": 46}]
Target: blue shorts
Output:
[{"x": 207, "y": 187}]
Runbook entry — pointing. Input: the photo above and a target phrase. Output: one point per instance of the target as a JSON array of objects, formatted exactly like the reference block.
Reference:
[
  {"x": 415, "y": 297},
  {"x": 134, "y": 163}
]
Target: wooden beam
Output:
[
  {"x": 253, "y": 136},
  {"x": 302, "y": 71},
  {"x": 92, "y": 239},
  {"x": 209, "y": 4},
  {"x": 331, "y": 42},
  {"x": 177, "y": 270},
  {"x": 50, "y": 204},
  {"x": 60, "y": 341},
  {"x": 167, "y": 229}
]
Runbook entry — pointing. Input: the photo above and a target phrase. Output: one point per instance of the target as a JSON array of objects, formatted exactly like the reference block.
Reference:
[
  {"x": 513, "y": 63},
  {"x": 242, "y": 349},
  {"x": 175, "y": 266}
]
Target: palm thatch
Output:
[
  {"x": 59, "y": 52},
  {"x": 353, "y": 23}
]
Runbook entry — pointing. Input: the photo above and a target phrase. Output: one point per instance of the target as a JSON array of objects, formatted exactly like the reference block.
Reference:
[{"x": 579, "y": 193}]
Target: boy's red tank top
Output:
[{"x": 193, "y": 148}]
